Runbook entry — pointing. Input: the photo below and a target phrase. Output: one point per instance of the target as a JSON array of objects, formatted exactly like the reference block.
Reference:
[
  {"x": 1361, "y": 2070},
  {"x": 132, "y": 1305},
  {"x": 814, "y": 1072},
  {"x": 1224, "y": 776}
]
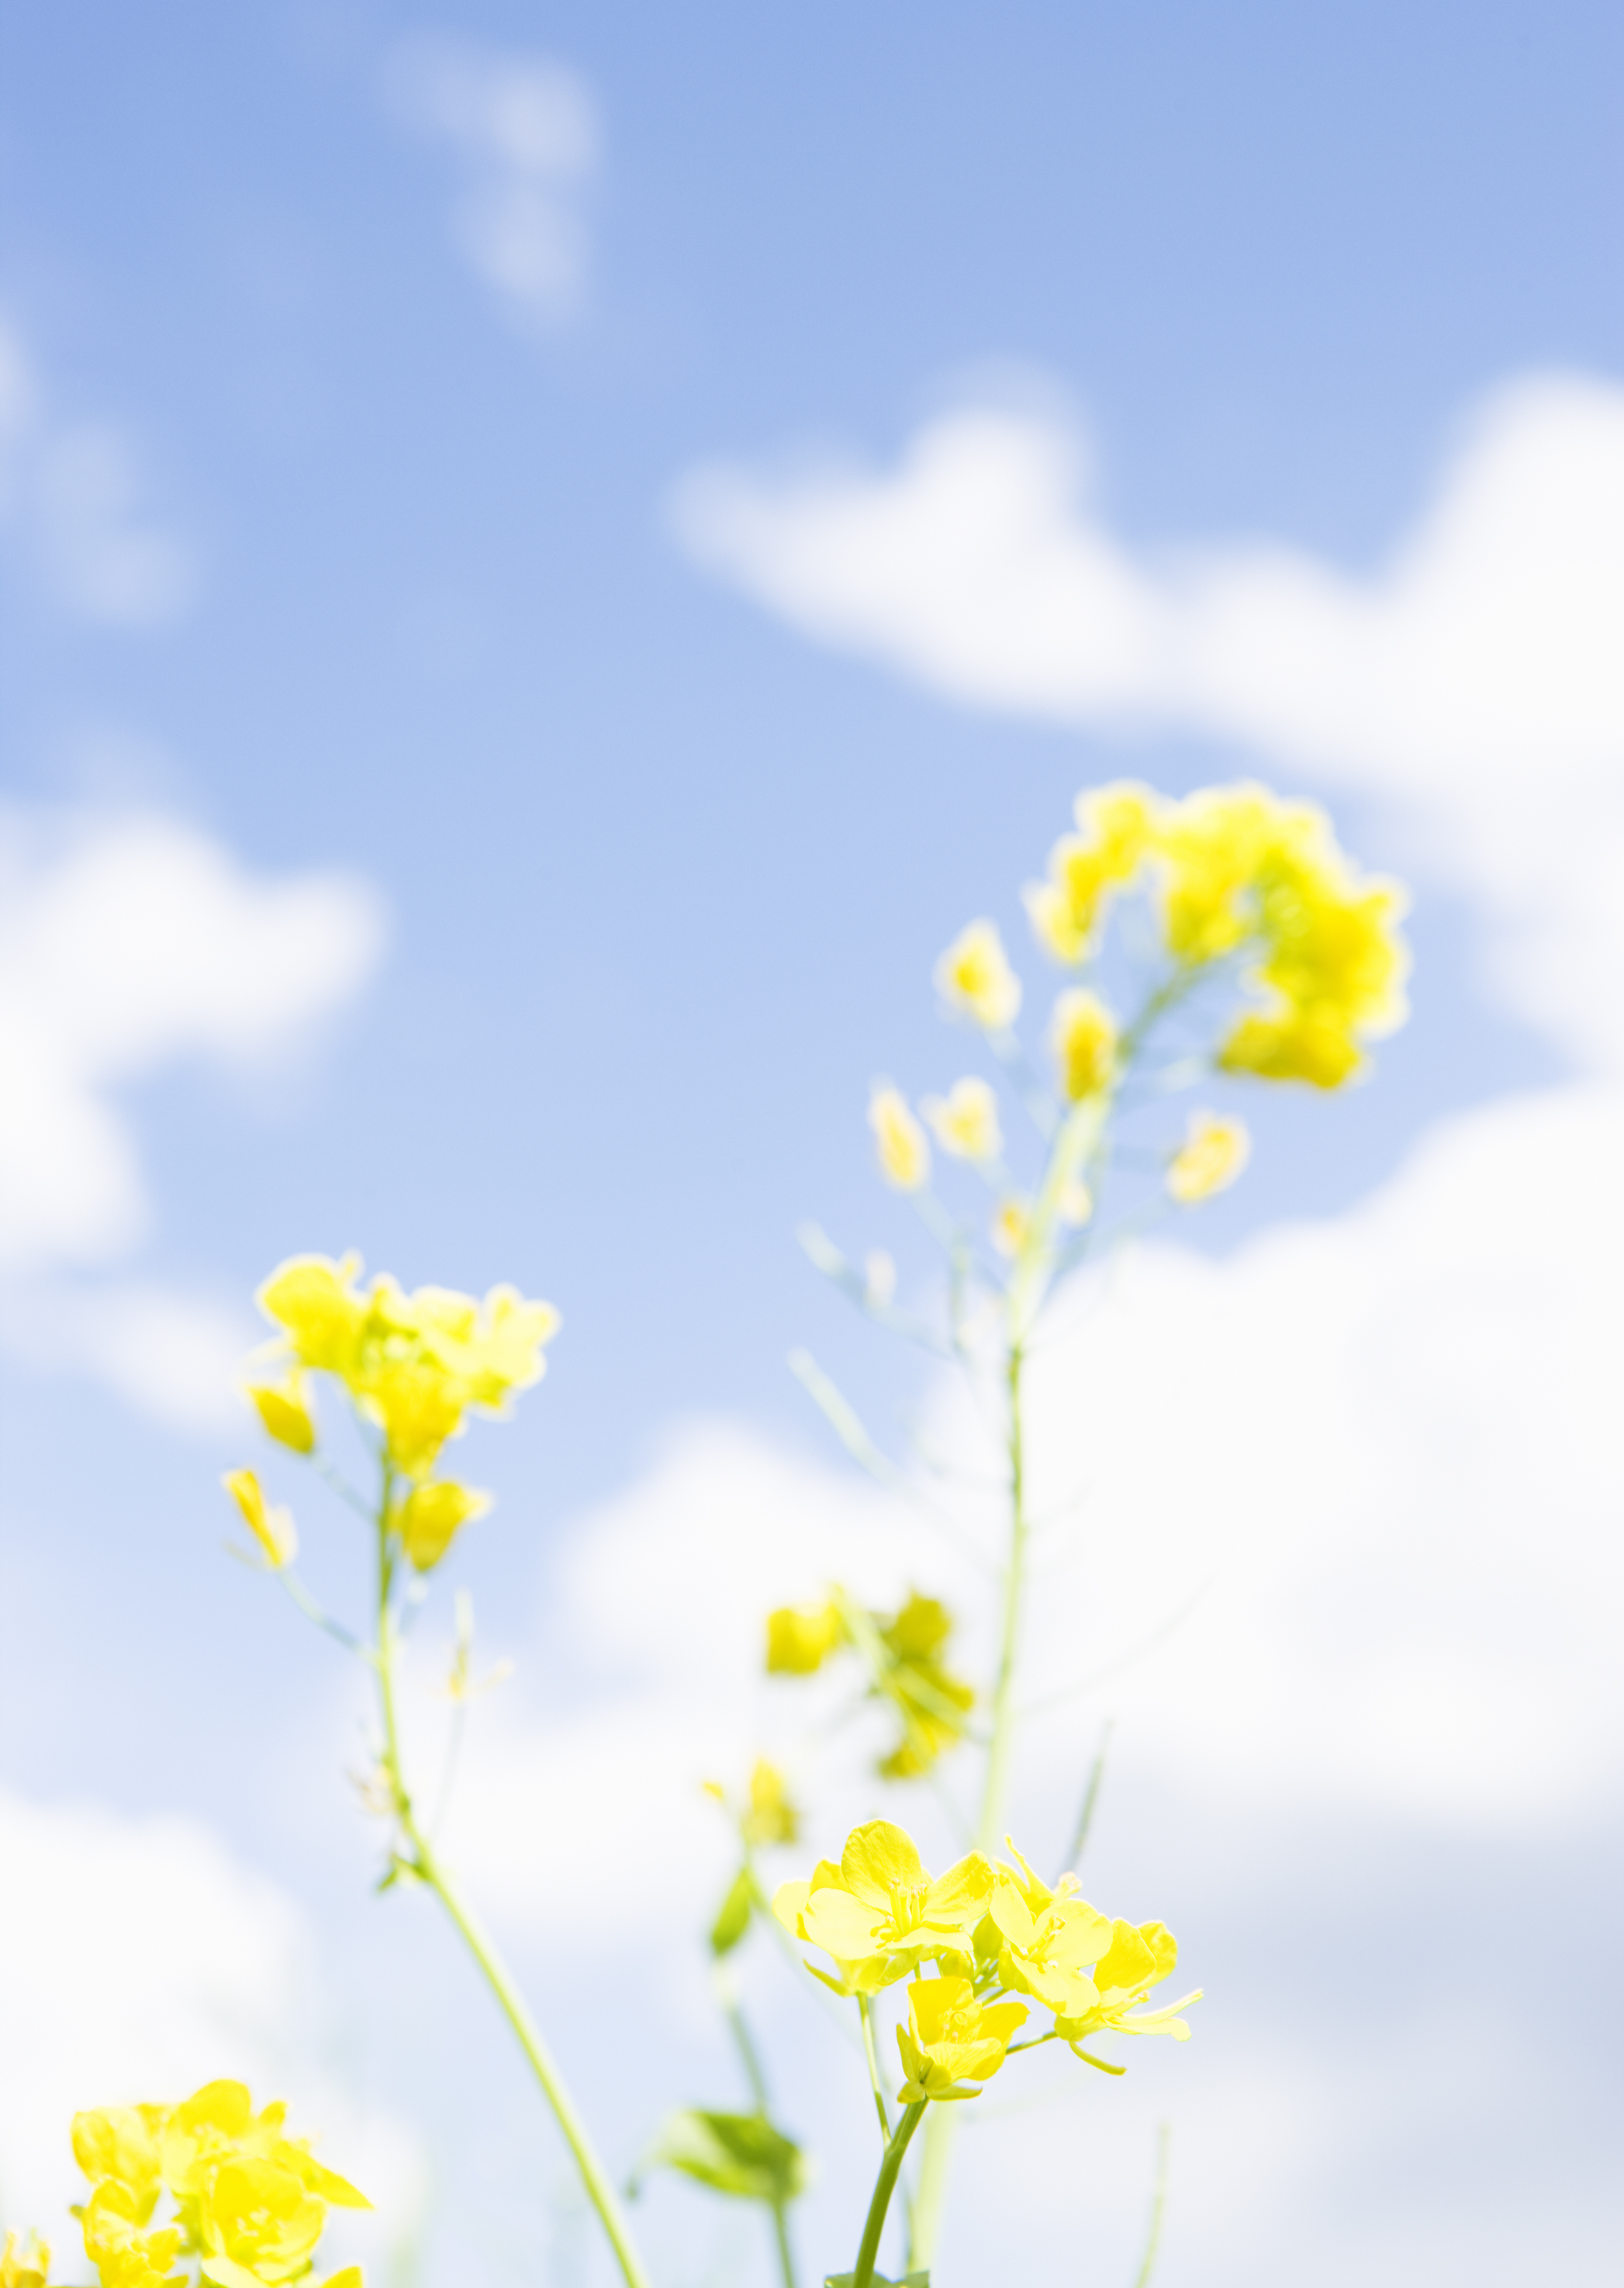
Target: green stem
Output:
[
  {"x": 733, "y": 2013},
  {"x": 865, "y": 2007},
  {"x": 1001, "y": 1751},
  {"x": 426, "y": 1865},
  {"x": 885, "y": 2185}
]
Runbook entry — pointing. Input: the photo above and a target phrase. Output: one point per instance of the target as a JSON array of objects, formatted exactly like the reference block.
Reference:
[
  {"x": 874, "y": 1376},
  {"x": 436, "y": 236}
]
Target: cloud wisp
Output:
[
  {"x": 1476, "y": 680},
  {"x": 525, "y": 133}
]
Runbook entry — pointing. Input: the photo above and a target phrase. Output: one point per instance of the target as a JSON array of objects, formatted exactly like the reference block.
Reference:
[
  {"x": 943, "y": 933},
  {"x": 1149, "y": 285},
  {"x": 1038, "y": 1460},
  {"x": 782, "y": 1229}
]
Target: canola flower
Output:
[
  {"x": 1211, "y": 1157},
  {"x": 975, "y": 979},
  {"x": 900, "y": 1141},
  {"x": 904, "y": 1655},
  {"x": 965, "y": 1121}
]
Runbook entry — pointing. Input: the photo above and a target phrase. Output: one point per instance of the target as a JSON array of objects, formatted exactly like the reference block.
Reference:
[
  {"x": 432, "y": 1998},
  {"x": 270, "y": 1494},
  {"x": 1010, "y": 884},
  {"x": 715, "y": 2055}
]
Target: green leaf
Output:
[
  {"x": 735, "y": 1919},
  {"x": 741, "y": 2154}
]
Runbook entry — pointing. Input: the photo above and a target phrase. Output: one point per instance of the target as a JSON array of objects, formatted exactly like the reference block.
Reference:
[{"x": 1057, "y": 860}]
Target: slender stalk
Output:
[
  {"x": 1159, "y": 2202},
  {"x": 1001, "y": 1748},
  {"x": 885, "y": 2185},
  {"x": 426, "y": 1866},
  {"x": 753, "y": 2073},
  {"x": 865, "y": 2007}
]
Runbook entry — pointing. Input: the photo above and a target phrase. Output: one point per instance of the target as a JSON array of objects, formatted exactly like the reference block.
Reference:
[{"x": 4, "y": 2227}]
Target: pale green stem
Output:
[
  {"x": 1159, "y": 2201},
  {"x": 757, "y": 2079},
  {"x": 424, "y": 1864},
  {"x": 885, "y": 2185},
  {"x": 866, "y": 2007}
]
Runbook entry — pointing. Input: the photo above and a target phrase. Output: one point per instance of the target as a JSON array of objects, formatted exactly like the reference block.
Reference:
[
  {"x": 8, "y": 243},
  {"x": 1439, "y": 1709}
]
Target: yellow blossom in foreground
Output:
[
  {"x": 260, "y": 2216},
  {"x": 770, "y": 1817},
  {"x": 123, "y": 2142},
  {"x": 24, "y": 2264},
  {"x": 1083, "y": 1037},
  {"x": 976, "y": 980},
  {"x": 904, "y": 1154},
  {"x": 430, "y": 1517},
  {"x": 880, "y": 1913},
  {"x": 284, "y": 1409},
  {"x": 1137, "y": 1959},
  {"x": 951, "y": 2038},
  {"x": 800, "y": 1638},
  {"x": 1116, "y": 831},
  {"x": 965, "y": 1121},
  {"x": 118, "y": 2244},
  {"x": 1212, "y": 1156},
  {"x": 1048, "y": 1936},
  {"x": 271, "y": 1527}
]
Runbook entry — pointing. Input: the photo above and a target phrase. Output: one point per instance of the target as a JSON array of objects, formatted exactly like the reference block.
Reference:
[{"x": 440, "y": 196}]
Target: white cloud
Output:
[
  {"x": 72, "y": 502},
  {"x": 138, "y": 1960},
  {"x": 525, "y": 130},
  {"x": 127, "y": 943},
  {"x": 1372, "y": 1463},
  {"x": 1477, "y": 679}
]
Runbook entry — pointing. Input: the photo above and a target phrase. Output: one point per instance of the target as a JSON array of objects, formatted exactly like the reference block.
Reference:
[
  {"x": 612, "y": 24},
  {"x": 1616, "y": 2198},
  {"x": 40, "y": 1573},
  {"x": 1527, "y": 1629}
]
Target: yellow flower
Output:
[
  {"x": 951, "y": 2038},
  {"x": 24, "y": 2264},
  {"x": 800, "y": 1638},
  {"x": 904, "y": 1157},
  {"x": 771, "y": 1817},
  {"x": 1083, "y": 1037},
  {"x": 1117, "y": 827},
  {"x": 1049, "y": 1936},
  {"x": 1135, "y": 1960},
  {"x": 975, "y": 979},
  {"x": 284, "y": 1409},
  {"x": 258, "y": 2215},
  {"x": 933, "y": 1702},
  {"x": 430, "y": 1517},
  {"x": 1316, "y": 1046},
  {"x": 123, "y": 2142},
  {"x": 1010, "y": 1226},
  {"x": 218, "y": 2123},
  {"x": 314, "y": 1301},
  {"x": 125, "y": 2253},
  {"x": 271, "y": 1527},
  {"x": 880, "y": 1913},
  {"x": 1212, "y": 1156},
  {"x": 966, "y": 1123}
]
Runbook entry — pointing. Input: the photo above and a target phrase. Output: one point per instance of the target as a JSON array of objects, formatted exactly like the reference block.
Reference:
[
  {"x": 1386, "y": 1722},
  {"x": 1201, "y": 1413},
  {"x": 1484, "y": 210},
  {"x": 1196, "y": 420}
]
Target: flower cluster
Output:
[
  {"x": 904, "y": 1655},
  {"x": 244, "y": 2201},
  {"x": 996, "y": 1938},
  {"x": 414, "y": 1366}
]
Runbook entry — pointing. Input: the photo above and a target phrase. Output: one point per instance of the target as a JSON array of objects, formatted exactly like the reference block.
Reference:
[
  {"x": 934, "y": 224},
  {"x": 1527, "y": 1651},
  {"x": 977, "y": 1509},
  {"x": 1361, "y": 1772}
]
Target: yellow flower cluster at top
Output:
[
  {"x": 997, "y": 1939},
  {"x": 414, "y": 1365},
  {"x": 1235, "y": 872},
  {"x": 246, "y": 2202},
  {"x": 904, "y": 1652}
]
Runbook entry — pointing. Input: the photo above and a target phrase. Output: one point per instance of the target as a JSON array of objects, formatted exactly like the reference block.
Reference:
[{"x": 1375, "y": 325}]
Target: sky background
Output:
[{"x": 550, "y": 559}]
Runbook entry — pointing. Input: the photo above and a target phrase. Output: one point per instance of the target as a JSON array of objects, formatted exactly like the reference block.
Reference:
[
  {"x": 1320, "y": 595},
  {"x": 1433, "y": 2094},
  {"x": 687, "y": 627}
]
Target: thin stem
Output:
[
  {"x": 1000, "y": 1750},
  {"x": 865, "y": 2004},
  {"x": 780, "y": 2234},
  {"x": 732, "y": 2011},
  {"x": 1090, "y": 1796},
  {"x": 885, "y": 2184},
  {"x": 426, "y": 1865},
  {"x": 1159, "y": 2201}
]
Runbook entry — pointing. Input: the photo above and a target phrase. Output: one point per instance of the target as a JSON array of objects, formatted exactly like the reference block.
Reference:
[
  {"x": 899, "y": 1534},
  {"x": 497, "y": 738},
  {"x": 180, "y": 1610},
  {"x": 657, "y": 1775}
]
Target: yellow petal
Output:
[{"x": 878, "y": 1860}]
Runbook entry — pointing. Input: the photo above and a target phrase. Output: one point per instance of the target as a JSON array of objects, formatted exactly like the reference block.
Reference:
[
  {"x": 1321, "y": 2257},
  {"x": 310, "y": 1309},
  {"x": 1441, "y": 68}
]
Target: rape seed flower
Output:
[
  {"x": 905, "y": 1156},
  {"x": 1212, "y": 1156},
  {"x": 880, "y": 1913},
  {"x": 24, "y": 2264},
  {"x": 770, "y": 1817},
  {"x": 430, "y": 1517},
  {"x": 800, "y": 1638},
  {"x": 965, "y": 1124},
  {"x": 271, "y": 1527},
  {"x": 951, "y": 2038},
  {"x": 1116, "y": 832},
  {"x": 1010, "y": 1226},
  {"x": 1083, "y": 1037},
  {"x": 123, "y": 2141},
  {"x": 258, "y": 2215},
  {"x": 1137, "y": 1959},
  {"x": 284, "y": 1409},
  {"x": 115, "y": 2239},
  {"x": 976, "y": 980},
  {"x": 933, "y": 1703},
  {"x": 1048, "y": 1936}
]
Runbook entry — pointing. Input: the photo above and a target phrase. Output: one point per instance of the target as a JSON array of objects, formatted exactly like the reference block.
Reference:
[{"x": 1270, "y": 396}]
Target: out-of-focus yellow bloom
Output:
[
  {"x": 1011, "y": 1225},
  {"x": 271, "y": 1527},
  {"x": 904, "y": 1154},
  {"x": 124, "y": 2253},
  {"x": 933, "y": 1702},
  {"x": 258, "y": 2215},
  {"x": 430, "y": 1517},
  {"x": 976, "y": 980},
  {"x": 1049, "y": 1936},
  {"x": 800, "y": 1638},
  {"x": 951, "y": 2038},
  {"x": 284, "y": 1409},
  {"x": 1116, "y": 832},
  {"x": 1076, "y": 1203},
  {"x": 880, "y": 1913},
  {"x": 123, "y": 2142},
  {"x": 24, "y": 2264},
  {"x": 965, "y": 1121},
  {"x": 770, "y": 1817},
  {"x": 1213, "y": 1154},
  {"x": 314, "y": 1301},
  {"x": 1083, "y": 1037},
  {"x": 1137, "y": 1959}
]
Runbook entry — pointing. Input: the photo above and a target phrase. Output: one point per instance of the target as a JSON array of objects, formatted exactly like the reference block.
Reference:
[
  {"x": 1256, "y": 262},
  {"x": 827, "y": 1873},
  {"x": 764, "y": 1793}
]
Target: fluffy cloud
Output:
[
  {"x": 1477, "y": 679},
  {"x": 525, "y": 131},
  {"x": 1330, "y": 1528},
  {"x": 71, "y": 503},
  {"x": 126, "y": 944},
  {"x": 138, "y": 1960}
]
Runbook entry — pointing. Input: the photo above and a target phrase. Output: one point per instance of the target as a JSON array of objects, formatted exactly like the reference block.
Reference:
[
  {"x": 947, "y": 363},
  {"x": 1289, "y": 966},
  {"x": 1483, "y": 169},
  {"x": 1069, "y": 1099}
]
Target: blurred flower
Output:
[
  {"x": 271, "y": 1527},
  {"x": 951, "y": 2038},
  {"x": 770, "y": 1817},
  {"x": 1116, "y": 831},
  {"x": 284, "y": 1409},
  {"x": 430, "y": 1517},
  {"x": 1083, "y": 1037},
  {"x": 931, "y": 1702},
  {"x": 1213, "y": 1154},
  {"x": 965, "y": 1123},
  {"x": 260, "y": 2215},
  {"x": 1010, "y": 1226},
  {"x": 800, "y": 1638},
  {"x": 976, "y": 980},
  {"x": 24, "y": 2264},
  {"x": 905, "y": 1156},
  {"x": 115, "y": 2239}
]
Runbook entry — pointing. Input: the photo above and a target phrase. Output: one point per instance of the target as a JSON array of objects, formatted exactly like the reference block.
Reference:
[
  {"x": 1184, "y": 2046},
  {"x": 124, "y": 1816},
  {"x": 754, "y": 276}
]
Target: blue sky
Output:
[{"x": 664, "y": 881}]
